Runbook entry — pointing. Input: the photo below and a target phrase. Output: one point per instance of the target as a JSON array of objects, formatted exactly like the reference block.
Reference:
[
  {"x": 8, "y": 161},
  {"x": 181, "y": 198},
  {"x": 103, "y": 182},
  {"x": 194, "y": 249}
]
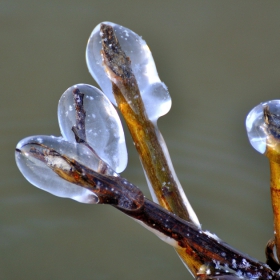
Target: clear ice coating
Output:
[
  {"x": 104, "y": 131},
  {"x": 154, "y": 93},
  {"x": 42, "y": 176},
  {"x": 256, "y": 126}
]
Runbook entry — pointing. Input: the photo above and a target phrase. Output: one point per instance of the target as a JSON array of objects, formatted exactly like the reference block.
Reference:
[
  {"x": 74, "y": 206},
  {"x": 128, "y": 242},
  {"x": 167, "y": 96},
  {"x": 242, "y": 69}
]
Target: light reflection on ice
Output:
[{"x": 256, "y": 127}]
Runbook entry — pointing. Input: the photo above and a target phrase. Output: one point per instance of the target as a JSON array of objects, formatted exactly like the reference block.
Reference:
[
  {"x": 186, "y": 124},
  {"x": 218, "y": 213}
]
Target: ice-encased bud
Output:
[
  {"x": 154, "y": 93},
  {"x": 104, "y": 132},
  {"x": 35, "y": 163},
  {"x": 256, "y": 126}
]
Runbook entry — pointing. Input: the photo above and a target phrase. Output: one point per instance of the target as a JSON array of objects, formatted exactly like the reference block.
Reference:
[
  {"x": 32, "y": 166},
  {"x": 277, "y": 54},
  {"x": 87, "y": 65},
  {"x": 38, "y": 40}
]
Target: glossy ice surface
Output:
[
  {"x": 153, "y": 92},
  {"x": 39, "y": 173},
  {"x": 104, "y": 131},
  {"x": 256, "y": 127}
]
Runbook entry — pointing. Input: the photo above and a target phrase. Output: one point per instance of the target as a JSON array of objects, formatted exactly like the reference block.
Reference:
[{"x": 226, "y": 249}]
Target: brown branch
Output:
[
  {"x": 79, "y": 129},
  {"x": 203, "y": 247}
]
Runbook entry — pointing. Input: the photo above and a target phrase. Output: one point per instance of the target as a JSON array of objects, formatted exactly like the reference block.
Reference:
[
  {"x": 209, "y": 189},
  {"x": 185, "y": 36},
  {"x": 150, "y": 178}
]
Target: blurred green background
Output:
[{"x": 218, "y": 58}]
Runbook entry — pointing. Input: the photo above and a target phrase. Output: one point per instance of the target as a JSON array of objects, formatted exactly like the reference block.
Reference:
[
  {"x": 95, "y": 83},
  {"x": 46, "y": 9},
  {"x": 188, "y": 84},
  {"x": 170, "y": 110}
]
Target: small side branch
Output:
[
  {"x": 143, "y": 131},
  {"x": 272, "y": 121},
  {"x": 79, "y": 129}
]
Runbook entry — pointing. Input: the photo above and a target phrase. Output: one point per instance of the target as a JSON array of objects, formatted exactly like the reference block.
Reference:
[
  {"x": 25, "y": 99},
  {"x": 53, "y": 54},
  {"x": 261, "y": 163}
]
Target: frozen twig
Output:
[
  {"x": 143, "y": 131},
  {"x": 217, "y": 257},
  {"x": 272, "y": 122},
  {"x": 79, "y": 129},
  {"x": 146, "y": 136}
]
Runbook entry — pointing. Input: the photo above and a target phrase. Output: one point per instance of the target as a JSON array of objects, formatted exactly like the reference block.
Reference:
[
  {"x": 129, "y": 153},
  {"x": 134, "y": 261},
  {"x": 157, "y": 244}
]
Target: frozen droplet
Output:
[
  {"x": 39, "y": 171},
  {"x": 154, "y": 93},
  {"x": 104, "y": 132},
  {"x": 256, "y": 126},
  {"x": 157, "y": 100}
]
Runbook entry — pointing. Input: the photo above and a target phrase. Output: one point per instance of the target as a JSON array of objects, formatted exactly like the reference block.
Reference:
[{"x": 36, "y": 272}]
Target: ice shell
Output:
[
  {"x": 104, "y": 130},
  {"x": 153, "y": 92},
  {"x": 42, "y": 176},
  {"x": 256, "y": 127}
]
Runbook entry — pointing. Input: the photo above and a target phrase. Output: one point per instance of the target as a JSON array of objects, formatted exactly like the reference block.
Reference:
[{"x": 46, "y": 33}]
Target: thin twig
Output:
[
  {"x": 143, "y": 131},
  {"x": 146, "y": 136},
  {"x": 273, "y": 153},
  {"x": 79, "y": 129}
]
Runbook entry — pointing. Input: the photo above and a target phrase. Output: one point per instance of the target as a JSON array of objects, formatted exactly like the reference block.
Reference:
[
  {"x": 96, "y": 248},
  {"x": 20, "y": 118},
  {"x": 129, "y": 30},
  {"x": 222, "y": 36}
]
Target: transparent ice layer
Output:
[
  {"x": 38, "y": 172},
  {"x": 154, "y": 93},
  {"x": 104, "y": 132},
  {"x": 256, "y": 127}
]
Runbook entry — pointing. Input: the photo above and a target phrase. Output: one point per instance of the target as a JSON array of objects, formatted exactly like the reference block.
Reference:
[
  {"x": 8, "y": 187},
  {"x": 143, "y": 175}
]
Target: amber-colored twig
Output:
[
  {"x": 145, "y": 135},
  {"x": 273, "y": 153},
  {"x": 143, "y": 131}
]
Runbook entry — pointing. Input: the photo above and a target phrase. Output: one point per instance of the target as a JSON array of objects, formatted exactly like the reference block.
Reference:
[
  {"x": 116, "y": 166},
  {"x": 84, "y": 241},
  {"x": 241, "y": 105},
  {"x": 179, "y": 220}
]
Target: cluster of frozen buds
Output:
[
  {"x": 104, "y": 132},
  {"x": 84, "y": 164}
]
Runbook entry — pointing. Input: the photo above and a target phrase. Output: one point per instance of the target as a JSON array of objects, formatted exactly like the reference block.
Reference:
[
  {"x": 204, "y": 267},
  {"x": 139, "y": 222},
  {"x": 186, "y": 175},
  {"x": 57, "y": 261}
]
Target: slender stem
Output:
[
  {"x": 146, "y": 137},
  {"x": 143, "y": 131},
  {"x": 273, "y": 153},
  {"x": 79, "y": 129},
  {"x": 275, "y": 199}
]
